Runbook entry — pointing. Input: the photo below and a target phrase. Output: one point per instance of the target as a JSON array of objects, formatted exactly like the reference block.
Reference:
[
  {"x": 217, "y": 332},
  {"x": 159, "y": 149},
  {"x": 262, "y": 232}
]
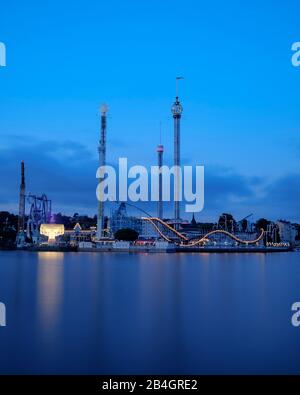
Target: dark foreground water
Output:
[{"x": 143, "y": 313}]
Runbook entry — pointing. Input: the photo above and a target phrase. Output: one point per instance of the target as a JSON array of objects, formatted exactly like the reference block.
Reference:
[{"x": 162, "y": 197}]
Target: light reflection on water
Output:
[
  {"x": 149, "y": 313},
  {"x": 50, "y": 271}
]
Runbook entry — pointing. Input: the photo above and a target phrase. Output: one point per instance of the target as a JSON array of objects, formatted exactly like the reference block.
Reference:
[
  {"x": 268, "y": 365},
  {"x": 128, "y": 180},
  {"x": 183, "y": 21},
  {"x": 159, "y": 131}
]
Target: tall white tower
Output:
[
  {"x": 102, "y": 162},
  {"x": 177, "y": 111}
]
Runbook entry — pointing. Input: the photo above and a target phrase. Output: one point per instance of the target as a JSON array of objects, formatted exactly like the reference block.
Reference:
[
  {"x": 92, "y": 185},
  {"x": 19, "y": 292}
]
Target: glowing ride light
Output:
[
  {"x": 52, "y": 231},
  {"x": 232, "y": 236}
]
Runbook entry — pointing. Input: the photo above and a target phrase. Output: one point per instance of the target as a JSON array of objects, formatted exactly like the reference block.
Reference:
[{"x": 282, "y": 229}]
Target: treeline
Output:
[
  {"x": 69, "y": 222},
  {"x": 8, "y": 229}
]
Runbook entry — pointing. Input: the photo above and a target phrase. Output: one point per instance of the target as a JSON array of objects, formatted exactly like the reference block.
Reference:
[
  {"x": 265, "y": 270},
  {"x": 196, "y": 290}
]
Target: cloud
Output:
[
  {"x": 282, "y": 197},
  {"x": 66, "y": 172}
]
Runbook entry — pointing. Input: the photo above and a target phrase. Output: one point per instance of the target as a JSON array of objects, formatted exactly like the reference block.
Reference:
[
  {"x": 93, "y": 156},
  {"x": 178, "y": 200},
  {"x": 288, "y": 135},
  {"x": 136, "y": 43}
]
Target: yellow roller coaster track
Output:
[
  {"x": 202, "y": 239},
  {"x": 169, "y": 227},
  {"x": 232, "y": 236}
]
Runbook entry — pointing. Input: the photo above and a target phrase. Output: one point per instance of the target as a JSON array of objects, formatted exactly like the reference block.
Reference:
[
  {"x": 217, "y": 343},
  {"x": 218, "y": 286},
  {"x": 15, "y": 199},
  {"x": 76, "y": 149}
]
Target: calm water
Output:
[{"x": 143, "y": 313}]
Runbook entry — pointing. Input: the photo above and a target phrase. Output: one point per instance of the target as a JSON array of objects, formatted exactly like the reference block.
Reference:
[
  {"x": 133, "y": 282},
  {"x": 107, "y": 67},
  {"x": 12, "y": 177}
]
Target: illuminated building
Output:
[
  {"x": 287, "y": 231},
  {"x": 52, "y": 231},
  {"x": 121, "y": 220}
]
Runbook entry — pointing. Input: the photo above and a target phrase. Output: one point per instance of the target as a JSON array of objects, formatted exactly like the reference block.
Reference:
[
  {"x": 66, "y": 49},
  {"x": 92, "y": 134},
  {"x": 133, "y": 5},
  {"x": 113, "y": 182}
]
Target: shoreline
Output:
[{"x": 151, "y": 250}]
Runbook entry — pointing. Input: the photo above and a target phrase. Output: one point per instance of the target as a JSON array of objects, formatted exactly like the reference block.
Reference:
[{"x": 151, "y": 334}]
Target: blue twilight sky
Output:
[{"x": 240, "y": 95}]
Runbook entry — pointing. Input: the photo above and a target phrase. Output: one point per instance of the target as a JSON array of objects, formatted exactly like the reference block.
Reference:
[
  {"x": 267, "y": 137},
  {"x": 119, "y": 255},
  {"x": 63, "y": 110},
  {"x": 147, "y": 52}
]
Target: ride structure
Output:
[
  {"x": 172, "y": 235},
  {"x": 39, "y": 213}
]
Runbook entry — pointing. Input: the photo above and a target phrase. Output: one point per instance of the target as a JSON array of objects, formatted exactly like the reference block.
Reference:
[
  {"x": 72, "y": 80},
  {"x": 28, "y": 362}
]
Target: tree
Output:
[
  {"x": 126, "y": 234},
  {"x": 8, "y": 220},
  {"x": 8, "y": 229},
  {"x": 59, "y": 218},
  {"x": 244, "y": 224},
  {"x": 262, "y": 223}
]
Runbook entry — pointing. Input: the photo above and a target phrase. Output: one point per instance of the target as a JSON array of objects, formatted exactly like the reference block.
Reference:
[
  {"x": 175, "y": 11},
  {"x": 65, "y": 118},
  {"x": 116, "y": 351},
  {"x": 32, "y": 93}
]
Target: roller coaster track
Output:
[
  {"x": 169, "y": 227},
  {"x": 158, "y": 230},
  {"x": 183, "y": 238},
  {"x": 232, "y": 236}
]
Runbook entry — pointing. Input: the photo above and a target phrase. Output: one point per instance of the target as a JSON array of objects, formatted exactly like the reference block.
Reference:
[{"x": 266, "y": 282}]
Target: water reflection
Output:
[
  {"x": 149, "y": 313},
  {"x": 50, "y": 273}
]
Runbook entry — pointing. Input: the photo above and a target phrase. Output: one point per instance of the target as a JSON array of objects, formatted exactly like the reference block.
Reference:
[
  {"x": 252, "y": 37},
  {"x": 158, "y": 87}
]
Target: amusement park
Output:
[{"x": 139, "y": 231}]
